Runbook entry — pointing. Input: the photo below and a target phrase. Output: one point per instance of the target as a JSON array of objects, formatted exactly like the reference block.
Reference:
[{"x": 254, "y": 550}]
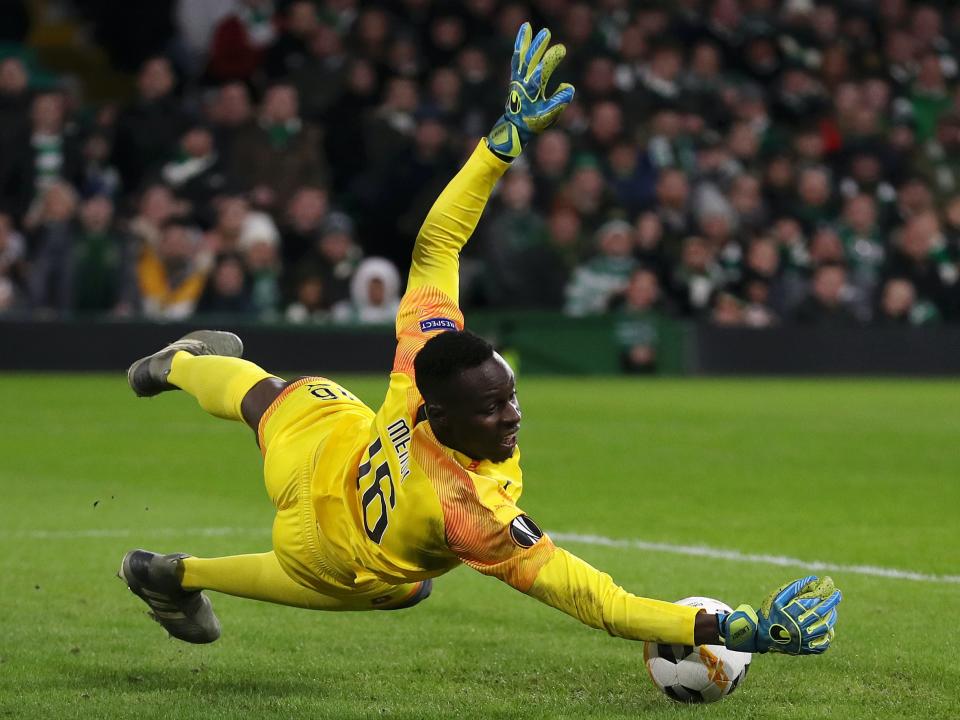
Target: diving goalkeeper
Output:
[{"x": 372, "y": 506}]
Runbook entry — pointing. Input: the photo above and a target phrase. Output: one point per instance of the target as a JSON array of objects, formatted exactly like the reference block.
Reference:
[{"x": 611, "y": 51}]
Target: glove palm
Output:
[{"x": 529, "y": 111}]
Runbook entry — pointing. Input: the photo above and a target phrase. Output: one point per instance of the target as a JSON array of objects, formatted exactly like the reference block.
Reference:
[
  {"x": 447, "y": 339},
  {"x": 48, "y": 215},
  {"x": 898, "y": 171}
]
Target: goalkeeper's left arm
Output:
[
  {"x": 797, "y": 618},
  {"x": 577, "y": 588}
]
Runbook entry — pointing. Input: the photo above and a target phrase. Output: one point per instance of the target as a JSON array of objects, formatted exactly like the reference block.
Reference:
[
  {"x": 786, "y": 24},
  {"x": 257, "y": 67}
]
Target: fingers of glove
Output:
[
  {"x": 549, "y": 111},
  {"x": 785, "y": 593},
  {"x": 819, "y": 644},
  {"x": 551, "y": 59},
  {"x": 538, "y": 47},
  {"x": 822, "y": 625},
  {"x": 520, "y": 46},
  {"x": 821, "y": 609},
  {"x": 560, "y": 99},
  {"x": 822, "y": 588}
]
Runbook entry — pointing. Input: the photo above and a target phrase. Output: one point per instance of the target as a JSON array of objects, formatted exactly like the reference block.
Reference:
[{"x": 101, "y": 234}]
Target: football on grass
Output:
[{"x": 697, "y": 674}]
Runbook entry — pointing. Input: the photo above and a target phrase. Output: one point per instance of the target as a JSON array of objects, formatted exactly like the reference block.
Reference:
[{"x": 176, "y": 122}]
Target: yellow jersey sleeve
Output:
[{"x": 569, "y": 584}]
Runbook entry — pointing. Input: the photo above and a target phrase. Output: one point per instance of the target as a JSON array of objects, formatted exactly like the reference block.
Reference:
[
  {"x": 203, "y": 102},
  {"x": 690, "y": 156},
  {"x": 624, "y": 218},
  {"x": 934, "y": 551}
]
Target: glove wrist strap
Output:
[
  {"x": 722, "y": 626},
  {"x": 505, "y": 140}
]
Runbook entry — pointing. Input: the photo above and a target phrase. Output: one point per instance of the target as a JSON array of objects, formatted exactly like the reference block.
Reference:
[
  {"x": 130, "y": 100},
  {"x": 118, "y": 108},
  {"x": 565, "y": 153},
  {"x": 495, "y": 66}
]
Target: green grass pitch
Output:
[{"x": 846, "y": 472}]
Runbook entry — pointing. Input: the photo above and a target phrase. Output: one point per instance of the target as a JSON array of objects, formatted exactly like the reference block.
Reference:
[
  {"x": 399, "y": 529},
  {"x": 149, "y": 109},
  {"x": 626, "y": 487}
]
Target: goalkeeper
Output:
[{"x": 372, "y": 506}]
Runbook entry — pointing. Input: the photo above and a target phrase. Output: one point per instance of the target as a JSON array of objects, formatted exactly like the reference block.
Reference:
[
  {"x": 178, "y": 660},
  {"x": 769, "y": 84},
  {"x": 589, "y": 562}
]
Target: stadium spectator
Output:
[
  {"x": 727, "y": 310},
  {"x": 309, "y": 305},
  {"x": 196, "y": 173},
  {"x": 515, "y": 248},
  {"x": 230, "y": 113},
  {"x": 804, "y": 125},
  {"x": 53, "y": 232},
  {"x": 899, "y": 306},
  {"x": 335, "y": 257},
  {"x": 761, "y": 284},
  {"x": 696, "y": 278},
  {"x": 227, "y": 291},
  {"x": 672, "y": 198},
  {"x": 920, "y": 255},
  {"x": 291, "y": 47},
  {"x": 551, "y": 166},
  {"x": 636, "y": 323},
  {"x": 13, "y": 266},
  {"x": 343, "y": 129},
  {"x": 389, "y": 130},
  {"x": 863, "y": 246},
  {"x": 14, "y": 102},
  {"x": 101, "y": 262},
  {"x": 280, "y": 153},
  {"x": 649, "y": 249},
  {"x": 374, "y": 295},
  {"x": 48, "y": 152},
  {"x": 826, "y": 306},
  {"x": 320, "y": 78},
  {"x": 232, "y": 212},
  {"x": 240, "y": 40},
  {"x": 596, "y": 282},
  {"x": 98, "y": 176},
  {"x": 148, "y": 129},
  {"x": 171, "y": 276},
  {"x": 306, "y": 213},
  {"x": 588, "y": 193},
  {"x": 157, "y": 206},
  {"x": 406, "y": 189},
  {"x": 259, "y": 241}
]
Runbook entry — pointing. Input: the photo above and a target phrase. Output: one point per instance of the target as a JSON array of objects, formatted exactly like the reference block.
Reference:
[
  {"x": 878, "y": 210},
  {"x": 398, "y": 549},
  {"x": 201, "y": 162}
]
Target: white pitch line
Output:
[
  {"x": 701, "y": 551},
  {"x": 123, "y": 533},
  {"x": 736, "y": 555}
]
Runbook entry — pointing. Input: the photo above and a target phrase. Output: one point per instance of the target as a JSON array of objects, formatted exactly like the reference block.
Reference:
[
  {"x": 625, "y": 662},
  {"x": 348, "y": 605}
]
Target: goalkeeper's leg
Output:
[
  {"x": 173, "y": 588},
  {"x": 207, "y": 365},
  {"x": 261, "y": 577},
  {"x": 228, "y": 388}
]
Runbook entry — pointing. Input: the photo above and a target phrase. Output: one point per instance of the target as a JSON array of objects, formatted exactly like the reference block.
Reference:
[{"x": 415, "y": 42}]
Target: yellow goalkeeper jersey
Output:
[
  {"x": 423, "y": 507},
  {"x": 396, "y": 506}
]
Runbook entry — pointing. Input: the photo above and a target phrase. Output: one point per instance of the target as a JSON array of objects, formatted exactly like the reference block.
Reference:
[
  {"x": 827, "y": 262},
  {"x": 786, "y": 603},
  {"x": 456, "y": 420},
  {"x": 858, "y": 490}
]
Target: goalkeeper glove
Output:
[
  {"x": 796, "y": 619},
  {"x": 528, "y": 109}
]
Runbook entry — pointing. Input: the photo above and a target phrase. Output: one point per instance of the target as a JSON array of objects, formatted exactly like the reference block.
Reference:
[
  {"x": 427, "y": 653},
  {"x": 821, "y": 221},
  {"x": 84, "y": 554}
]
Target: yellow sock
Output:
[
  {"x": 259, "y": 577},
  {"x": 218, "y": 383}
]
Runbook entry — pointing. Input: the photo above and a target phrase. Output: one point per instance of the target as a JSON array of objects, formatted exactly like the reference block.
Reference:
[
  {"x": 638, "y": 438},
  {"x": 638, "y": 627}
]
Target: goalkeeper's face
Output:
[{"x": 479, "y": 414}]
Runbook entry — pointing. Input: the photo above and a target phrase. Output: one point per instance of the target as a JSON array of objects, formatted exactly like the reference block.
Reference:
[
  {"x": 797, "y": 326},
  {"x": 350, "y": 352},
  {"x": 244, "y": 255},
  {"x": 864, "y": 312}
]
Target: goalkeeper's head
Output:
[{"x": 470, "y": 395}]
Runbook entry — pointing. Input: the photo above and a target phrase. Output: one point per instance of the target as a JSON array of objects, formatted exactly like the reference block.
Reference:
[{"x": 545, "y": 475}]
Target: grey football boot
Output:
[
  {"x": 155, "y": 579},
  {"x": 148, "y": 375}
]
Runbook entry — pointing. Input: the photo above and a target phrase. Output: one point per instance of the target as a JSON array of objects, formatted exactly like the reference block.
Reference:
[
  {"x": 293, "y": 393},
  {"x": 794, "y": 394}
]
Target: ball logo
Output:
[
  {"x": 524, "y": 531},
  {"x": 714, "y": 665},
  {"x": 514, "y": 102}
]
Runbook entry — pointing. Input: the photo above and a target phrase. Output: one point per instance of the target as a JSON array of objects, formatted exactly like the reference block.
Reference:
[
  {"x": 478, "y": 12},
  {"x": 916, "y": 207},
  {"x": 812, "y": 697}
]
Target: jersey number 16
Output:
[{"x": 375, "y": 492}]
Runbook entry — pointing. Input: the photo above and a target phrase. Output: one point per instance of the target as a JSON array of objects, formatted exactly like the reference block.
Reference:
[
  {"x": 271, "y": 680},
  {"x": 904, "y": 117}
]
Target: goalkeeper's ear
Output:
[{"x": 436, "y": 414}]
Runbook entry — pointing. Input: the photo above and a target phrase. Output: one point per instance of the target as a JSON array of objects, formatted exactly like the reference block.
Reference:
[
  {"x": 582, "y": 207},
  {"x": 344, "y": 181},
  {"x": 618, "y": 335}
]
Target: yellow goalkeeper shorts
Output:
[{"x": 314, "y": 434}]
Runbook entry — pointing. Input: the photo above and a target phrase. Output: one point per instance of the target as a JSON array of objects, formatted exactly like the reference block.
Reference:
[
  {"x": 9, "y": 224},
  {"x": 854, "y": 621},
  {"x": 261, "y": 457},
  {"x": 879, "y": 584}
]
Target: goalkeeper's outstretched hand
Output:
[
  {"x": 796, "y": 619},
  {"x": 529, "y": 111}
]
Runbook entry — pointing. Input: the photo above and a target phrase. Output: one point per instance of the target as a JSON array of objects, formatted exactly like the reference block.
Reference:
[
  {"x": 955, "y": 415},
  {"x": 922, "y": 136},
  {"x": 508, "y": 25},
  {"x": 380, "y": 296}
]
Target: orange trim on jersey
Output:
[
  {"x": 272, "y": 408},
  {"x": 478, "y": 534},
  {"x": 423, "y": 303}
]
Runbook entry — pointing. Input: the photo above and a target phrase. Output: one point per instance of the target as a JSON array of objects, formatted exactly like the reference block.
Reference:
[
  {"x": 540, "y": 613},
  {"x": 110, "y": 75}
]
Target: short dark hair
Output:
[{"x": 445, "y": 356}]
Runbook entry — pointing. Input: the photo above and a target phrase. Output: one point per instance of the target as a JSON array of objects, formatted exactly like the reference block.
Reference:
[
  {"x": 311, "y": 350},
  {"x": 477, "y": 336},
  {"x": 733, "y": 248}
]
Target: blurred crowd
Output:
[{"x": 741, "y": 162}]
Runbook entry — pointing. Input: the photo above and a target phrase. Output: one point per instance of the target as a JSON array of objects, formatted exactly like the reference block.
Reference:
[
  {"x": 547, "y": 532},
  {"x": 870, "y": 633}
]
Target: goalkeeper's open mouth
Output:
[{"x": 509, "y": 440}]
